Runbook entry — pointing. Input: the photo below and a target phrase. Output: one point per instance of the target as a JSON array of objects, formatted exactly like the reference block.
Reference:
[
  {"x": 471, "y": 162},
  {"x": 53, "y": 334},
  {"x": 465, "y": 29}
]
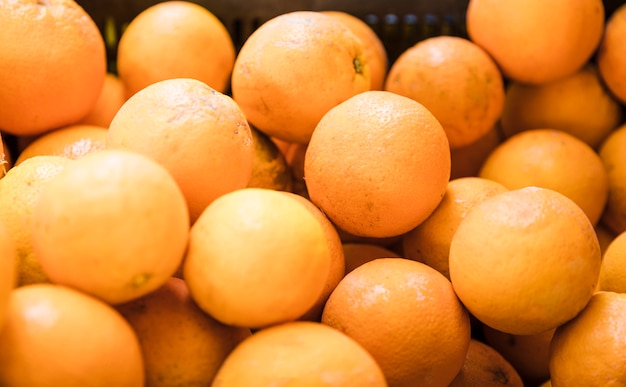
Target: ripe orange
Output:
[
  {"x": 362, "y": 169},
  {"x": 71, "y": 141},
  {"x": 293, "y": 69},
  {"x": 58, "y": 336},
  {"x": 552, "y": 159},
  {"x": 112, "y": 97},
  {"x": 578, "y": 104},
  {"x": 613, "y": 269},
  {"x": 358, "y": 253},
  {"x": 373, "y": 47},
  {"x": 113, "y": 224},
  {"x": 52, "y": 67},
  {"x": 256, "y": 257},
  {"x": 485, "y": 367},
  {"x": 175, "y": 39},
  {"x": 181, "y": 345},
  {"x": 537, "y": 41},
  {"x": 614, "y": 159},
  {"x": 199, "y": 134},
  {"x": 469, "y": 91},
  {"x": 429, "y": 242},
  {"x": 610, "y": 57},
  {"x": 525, "y": 261},
  {"x": 269, "y": 168},
  {"x": 588, "y": 350},
  {"x": 19, "y": 191},
  {"x": 407, "y": 316},
  {"x": 8, "y": 260},
  {"x": 300, "y": 353}
]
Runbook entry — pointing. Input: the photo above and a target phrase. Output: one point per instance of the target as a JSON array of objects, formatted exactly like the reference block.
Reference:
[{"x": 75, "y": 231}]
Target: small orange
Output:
[
  {"x": 613, "y": 269},
  {"x": 537, "y": 41},
  {"x": 357, "y": 253},
  {"x": 52, "y": 67},
  {"x": 610, "y": 57},
  {"x": 301, "y": 353},
  {"x": 71, "y": 141},
  {"x": 588, "y": 350},
  {"x": 525, "y": 261},
  {"x": 175, "y": 39},
  {"x": 199, "y": 134},
  {"x": 456, "y": 80},
  {"x": 429, "y": 242},
  {"x": 112, "y": 97},
  {"x": 362, "y": 169},
  {"x": 58, "y": 336},
  {"x": 578, "y": 104},
  {"x": 181, "y": 345},
  {"x": 407, "y": 316},
  {"x": 257, "y": 257},
  {"x": 614, "y": 159},
  {"x": 486, "y": 367},
  {"x": 8, "y": 261},
  {"x": 293, "y": 69},
  {"x": 552, "y": 159},
  {"x": 113, "y": 224}
]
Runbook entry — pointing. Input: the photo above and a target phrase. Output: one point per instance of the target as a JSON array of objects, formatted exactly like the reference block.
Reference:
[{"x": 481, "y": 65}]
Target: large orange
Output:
[
  {"x": 407, "y": 316},
  {"x": 181, "y": 345},
  {"x": 525, "y": 261},
  {"x": 611, "y": 58},
  {"x": 113, "y": 224},
  {"x": 456, "y": 80},
  {"x": 58, "y": 336},
  {"x": 175, "y": 39},
  {"x": 52, "y": 66},
  {"x": 301, "y": 353},
  {"x": 537, "y": 41},
  {"x": 293, "y": 69},
  {"x": 199, "y": 134},
  {"x": 377, "y": 164}
]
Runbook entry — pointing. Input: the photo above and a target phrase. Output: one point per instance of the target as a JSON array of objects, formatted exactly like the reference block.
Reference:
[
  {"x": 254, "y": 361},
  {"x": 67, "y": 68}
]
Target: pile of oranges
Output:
[{"x": 303, "y": 211}]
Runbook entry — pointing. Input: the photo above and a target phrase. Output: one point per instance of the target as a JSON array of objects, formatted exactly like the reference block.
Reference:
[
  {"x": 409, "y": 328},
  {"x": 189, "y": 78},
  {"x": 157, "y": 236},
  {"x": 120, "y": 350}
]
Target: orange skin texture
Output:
[
  {"x": 456, "y": 80},
  {"x": 525, "y": 261},
  {"x": 362, "y": 169},
  {"x": 49, "y": 340},
  {"x": 181, "y": 345},
  {"x": 612, "y": 273},
  {"x": 534, "y": 41},
  {"x": 113, "y": 224},
  {"x": 611, "y": 58},
  {"x": 55, "y": 44},
  {"x": 293, "y": 69},
  {"x": 484, "y": 366},
  {"x": 305, "y": 353},
  {"x": 407, "y": 316},
  {"x": 175, "y": 39}
]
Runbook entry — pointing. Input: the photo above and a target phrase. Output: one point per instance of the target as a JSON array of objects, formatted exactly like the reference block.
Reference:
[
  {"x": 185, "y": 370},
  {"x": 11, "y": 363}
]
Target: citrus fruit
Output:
[
  {"x": 269, "y": 168},
  {"x": 610, "y": 57},
  {"x": 614, "y": 159},
  {"x": 613, "y": 269},
  {"x": 112, "y": 97},
  {"x": 357, "y": 253},
  {"x": 484, "y": 366},
  {"x": 467, "y": 160}
]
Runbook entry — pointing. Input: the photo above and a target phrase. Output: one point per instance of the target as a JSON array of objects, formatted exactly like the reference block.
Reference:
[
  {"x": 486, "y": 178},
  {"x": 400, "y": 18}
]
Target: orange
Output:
[
  {"x": 199, "y": 134},
  {"x": 485, "y": 367},
  {"x": 58, "y": 336},
  {"x": 358, "y": 253},
  {"x": 429, "y": 242},
  {"x": 19, "y": 191},
  {"x": 175, "y": 39},
  {"x": 181, "y": 345},
  {"x": 467, "y": 160},
  {"x": 407, "y": 316},
  {"x": 8, "y": 259},
  {"x": 525, "y": 261},
  {"x": 610, "y": 57},
  {"x": 71, "y": 141},
  {"x": 112, "y": 224},
  {"x": 300, "y": 353},
  {"x": 256, "y": 257},
  {"x": 293, "y": 69},
  {"x": 373, "y": 47},
  {"x": 537, "y": 41},
  {"x": 614, "y": 159},
  {"x": 53, "y": 64},
  {"x": 528, "y": 354},
  {"x": 112, "y": 97},
  {"x": 362, "y": 169},
  {"x": 552, "y": 159},
  {"x": 587, "y": 351},
  {"x": 613, "y": 269},
  {"x": 578, "y": 104},
  {"x": 456, "y": 80},
  {"x": 269, "y": 168}
]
